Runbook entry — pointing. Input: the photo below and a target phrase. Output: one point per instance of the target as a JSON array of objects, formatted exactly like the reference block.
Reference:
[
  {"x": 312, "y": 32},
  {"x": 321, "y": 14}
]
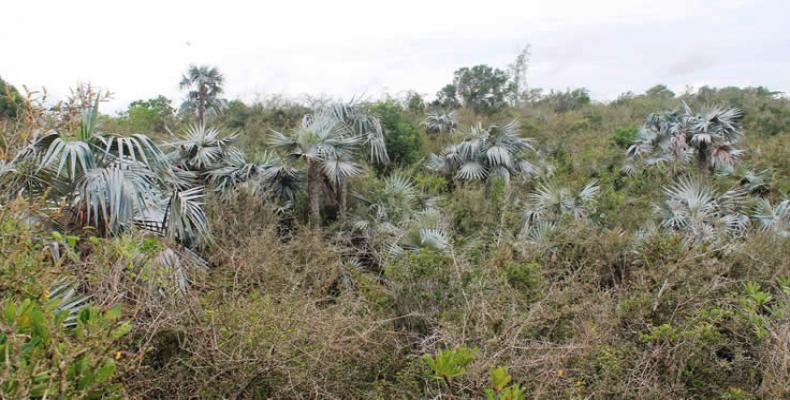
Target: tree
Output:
[
  {"x": 483, "y": 89},
  {"x": 111, "y": 182},
  {"x": 401, "y": 137},
  {"x": 710, "y": 136},
  {"x": 567, "y": 100},
  {"x": 660, "y": 91},
  {"x": 447, "y": 98},
  {"x": 10, "y": 100},
  {"x": 518, "y": 75},
  {"x": 152, "y": 115},
  {"x": 415, "y": 103},
  {"x": 330, "y": 142},
  {"x": 485, "y": 153},
  {"x": 204, "y": 85}
]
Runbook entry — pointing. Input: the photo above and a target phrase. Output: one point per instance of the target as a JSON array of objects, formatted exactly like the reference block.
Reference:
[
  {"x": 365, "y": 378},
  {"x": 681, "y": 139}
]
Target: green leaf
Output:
[
  {"x": 500, "y": 378},
  {"x": 105, "y": 371},
  {"x": 122, "y": 330},
  {"x": 113, "y": 313}
]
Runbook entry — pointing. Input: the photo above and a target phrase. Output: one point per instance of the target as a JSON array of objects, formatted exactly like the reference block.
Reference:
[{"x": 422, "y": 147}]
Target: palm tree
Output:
[
  {"x": 328, "y": 150},
  {"x": 700, "y": 212},
  {"x": 486, "y": 152},
  {"x": 773, "y": 218},
  {"x": 204, "y": 85},
  {"x": 710, "y": 136},
  {"x": 110, "y": 182},
  {"x": 441, "y": 122},
  {"x": 391, "y": 221},
  {"x": 549, "y": 203},
  {"x": 329, "y": 142}
]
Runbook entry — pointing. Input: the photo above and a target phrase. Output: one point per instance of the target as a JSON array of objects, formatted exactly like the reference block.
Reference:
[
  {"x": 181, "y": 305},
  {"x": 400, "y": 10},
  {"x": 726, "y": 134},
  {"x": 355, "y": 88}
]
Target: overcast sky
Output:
[{"x": 139, "y": 49}]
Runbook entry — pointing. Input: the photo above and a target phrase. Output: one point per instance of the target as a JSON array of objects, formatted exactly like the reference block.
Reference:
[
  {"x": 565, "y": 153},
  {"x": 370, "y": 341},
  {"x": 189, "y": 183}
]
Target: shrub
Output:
[{"x": 43, "y": 358}]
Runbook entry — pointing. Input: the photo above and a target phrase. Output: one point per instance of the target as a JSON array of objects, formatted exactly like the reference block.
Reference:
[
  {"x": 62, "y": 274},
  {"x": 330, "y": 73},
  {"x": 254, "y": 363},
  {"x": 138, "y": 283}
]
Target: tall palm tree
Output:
[
  {"x": 328, "y": 149},
  {"x": 204, "y": 85},
  {"x": 330, "y": 142},
  {"x": 485, "y": 153}
]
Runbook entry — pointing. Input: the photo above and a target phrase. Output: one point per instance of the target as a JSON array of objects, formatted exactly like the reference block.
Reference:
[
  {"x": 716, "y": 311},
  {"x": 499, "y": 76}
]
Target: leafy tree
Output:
[
  {"x": 483, "y": 89},
  {"x": 567, "y": 100},
  {"x": 660, "y": 91},
  {"x": 447, "y": 97},
  {"x": 152, "y": 115},
  {"x": 401, "y": 137},
  {"x": 10, "y": 100},
  {"x": 415, "y": 103},
  {"x": 204, "y": 86}
]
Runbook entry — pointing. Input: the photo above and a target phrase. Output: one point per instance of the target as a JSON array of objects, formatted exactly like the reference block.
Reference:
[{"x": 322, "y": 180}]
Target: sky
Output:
[{"x": 343, "y": 48}]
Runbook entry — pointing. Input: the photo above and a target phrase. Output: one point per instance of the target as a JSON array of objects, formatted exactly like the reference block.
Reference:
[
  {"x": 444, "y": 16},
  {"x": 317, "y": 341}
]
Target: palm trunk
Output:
[
  {"x": 202, "y": 104},
  {"x": 314, "y": 192},
  {"x": 486, "y": 193},
  {"x": 342, "y": 198},
  {"x": 702, "y": 157}
]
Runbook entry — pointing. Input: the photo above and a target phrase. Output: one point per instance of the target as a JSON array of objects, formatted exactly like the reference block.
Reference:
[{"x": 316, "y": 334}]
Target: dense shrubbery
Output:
[{"x": 492, "y": 270}]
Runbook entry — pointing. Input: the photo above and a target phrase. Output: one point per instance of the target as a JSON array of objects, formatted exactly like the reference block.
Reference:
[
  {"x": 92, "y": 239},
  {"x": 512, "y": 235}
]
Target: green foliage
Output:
[
  {"x": 525, "y": 277},
  {"x": 500, "y": 390},
  {"x": 152, "y": 115},
  {"x": 10, "y": 100},
  {"x": 450, "y": 363},
  {"x": 483, "y": 89},
  {"x": 402, "y": 138},
  {"x": 568, "y": 100},
  {"x": 624, "y": 136},
  {"x": 44, "y": 358}
]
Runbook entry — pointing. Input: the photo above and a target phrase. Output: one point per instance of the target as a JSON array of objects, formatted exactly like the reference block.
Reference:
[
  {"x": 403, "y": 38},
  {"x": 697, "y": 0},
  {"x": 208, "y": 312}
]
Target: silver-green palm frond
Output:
[
  {"x": 200, "y": 148},
  {"x": 696, "y": 209},
  {"x": 550, "y": 202},
  {"x": 773, "y": 218},
  {"x": 185, "y": 221},
  {"x": 176, "y": 265},
  {"x": 711, "y": 134},
  {"x": 491, "y": 151},
  {"x": 64, "y": 152},
  {"x": 441, "y": 122},
  {"x": 110, "y": 198},
  {"x": 361, "y": 123},
  {"x": 135, "y": 148},
  {"x": 537, "y": 233},
  {"x": 23, "y": 176},
  {"x": 66, "y": 302},
  {"x": 399, "y": 191},
  {"x": 267, "y": 173}
]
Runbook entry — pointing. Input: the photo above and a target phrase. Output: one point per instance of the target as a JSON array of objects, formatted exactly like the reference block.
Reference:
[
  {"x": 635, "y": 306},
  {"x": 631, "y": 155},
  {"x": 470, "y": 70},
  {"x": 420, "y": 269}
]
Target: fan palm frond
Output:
[
  {"x": 63, "y": 298},
  {"x": 773, "y": 218},
  {"x": 111, "y": 197},
  {"x": 185, "y": 221}
]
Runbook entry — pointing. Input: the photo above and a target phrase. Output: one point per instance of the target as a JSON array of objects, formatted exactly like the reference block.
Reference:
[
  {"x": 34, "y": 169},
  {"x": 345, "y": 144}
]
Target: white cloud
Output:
[{"x": 138, "y": 49}]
